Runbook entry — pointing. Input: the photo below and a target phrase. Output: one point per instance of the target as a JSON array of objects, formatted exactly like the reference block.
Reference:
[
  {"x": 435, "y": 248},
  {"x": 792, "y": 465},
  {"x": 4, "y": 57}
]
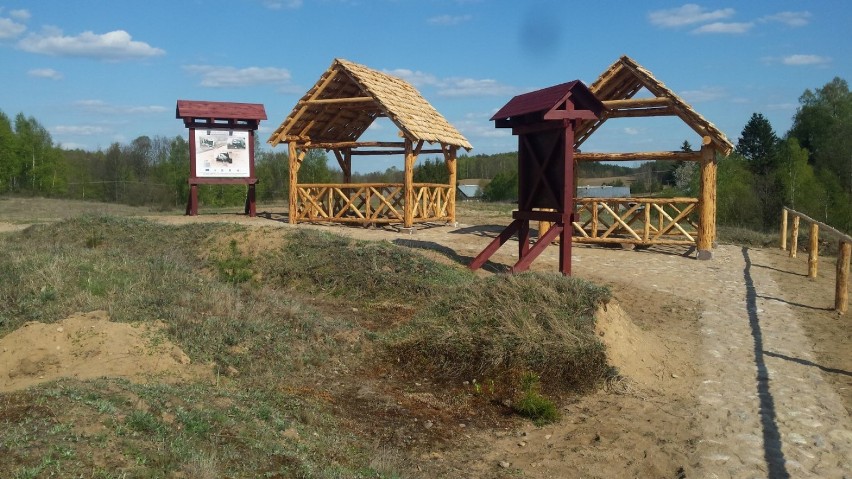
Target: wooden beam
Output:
[
  {"x": 357, "y": 144},
  {"x": 642, "y": 112},
  {"x": 823, "y": 227},
  {"x": 390, "y": 152},
  {"x": 641, "y": 156},
  {"x": 326, "y": 101},
  {"x": 637, "y": 103}
]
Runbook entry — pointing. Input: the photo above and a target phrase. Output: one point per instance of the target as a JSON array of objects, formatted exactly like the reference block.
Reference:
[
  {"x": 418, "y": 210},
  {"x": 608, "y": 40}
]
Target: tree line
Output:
[{"x": 809, "y": 168}]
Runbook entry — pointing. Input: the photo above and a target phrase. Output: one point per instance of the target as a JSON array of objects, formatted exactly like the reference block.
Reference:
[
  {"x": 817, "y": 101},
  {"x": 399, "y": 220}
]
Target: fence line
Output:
[{"x": 841, "y": 286}]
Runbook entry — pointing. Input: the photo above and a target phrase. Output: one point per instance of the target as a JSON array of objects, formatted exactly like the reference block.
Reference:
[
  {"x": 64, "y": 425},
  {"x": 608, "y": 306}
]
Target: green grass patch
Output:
[{"x": 501, "y": 327}]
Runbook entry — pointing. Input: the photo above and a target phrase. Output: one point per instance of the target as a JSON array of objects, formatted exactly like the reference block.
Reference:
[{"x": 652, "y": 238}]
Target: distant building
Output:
[
  {"x": 471, "y": 189},
  {"x": 603, "y": 192}
]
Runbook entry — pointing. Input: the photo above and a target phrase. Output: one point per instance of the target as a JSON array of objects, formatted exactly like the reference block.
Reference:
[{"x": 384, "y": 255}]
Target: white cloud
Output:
[
  {"x": 22, "y": 14},
  {"x": 802, "y": 60},
  {"x": 416, "y": 78},
  {"x": 454, "y": 86},
  {"x": 102, "y": 107},
  {"x": 474, "y": 87},
  {"x": 49, "y": 73},
  {"x": 82, "y": 130},
  {"x": 448, "y": 20},
  {"x": 10, "y": 28},
  {"x": 221, "y": 77},
  {"x": 791, "y": 19},
  {"x": 703, "y": 94},
  {"x": 687, "y": 15},
  {"x": 115, "y": 45},
  {"x": 631, "y": 131},
  {"x": 722, "y": 27}
]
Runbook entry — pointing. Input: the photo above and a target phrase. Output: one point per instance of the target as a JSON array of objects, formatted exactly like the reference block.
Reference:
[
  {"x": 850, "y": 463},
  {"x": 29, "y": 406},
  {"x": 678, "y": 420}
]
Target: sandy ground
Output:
[
  {"x": 86, "y": 346},
  {"x": 734, "y": 367}
]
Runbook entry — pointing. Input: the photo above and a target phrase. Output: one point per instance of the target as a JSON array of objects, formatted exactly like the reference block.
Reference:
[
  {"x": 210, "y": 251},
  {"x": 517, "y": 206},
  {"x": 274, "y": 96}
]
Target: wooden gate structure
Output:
[
  {"x": 333, "y": 115},
  {"x": 650, "y": 221},
  {"x": 552, "y": 124},
  {"x": 544, "y": 122}
]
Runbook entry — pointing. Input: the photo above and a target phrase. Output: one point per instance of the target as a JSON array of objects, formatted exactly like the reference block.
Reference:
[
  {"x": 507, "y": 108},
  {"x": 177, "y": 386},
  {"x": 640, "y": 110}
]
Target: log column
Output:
[
  {"x": 452, "y": 165},
  {"x": 707, "y": 202},
  {"x": 841, "y": 296},
  {"x": 295, "y": 162},
  {"x": 408, "y": 185}
]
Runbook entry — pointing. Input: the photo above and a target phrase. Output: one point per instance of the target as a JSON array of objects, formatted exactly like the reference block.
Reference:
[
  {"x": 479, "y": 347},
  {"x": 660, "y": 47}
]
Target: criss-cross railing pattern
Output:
[
  {"x": 369, "y": 203},
  {"x": 644, "y": 221}
]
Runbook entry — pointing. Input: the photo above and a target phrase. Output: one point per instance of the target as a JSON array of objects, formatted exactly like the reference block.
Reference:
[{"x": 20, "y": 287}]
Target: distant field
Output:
[{"x": 627, "y": 180}]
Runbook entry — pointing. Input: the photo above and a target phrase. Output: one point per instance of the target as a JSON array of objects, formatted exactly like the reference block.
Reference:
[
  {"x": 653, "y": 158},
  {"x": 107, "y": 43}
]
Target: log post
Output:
[
  {"x": 706, "y": 206},
  {"x": 783, "y": 229},
  {"x": 294, "y": 182},
  {"x": 452, "y": 168},
  {"x": 408, "y": 185},
  {"x": 794, "y": 237},
  {"x": 841, "y": 287},
  {"x": 813, "y": 251}
]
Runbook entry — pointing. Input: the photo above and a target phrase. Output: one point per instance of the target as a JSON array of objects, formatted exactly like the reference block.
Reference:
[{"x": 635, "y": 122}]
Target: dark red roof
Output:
[
  {"x": 546, "y": 98},
  {"x": 220, "y": 110}
]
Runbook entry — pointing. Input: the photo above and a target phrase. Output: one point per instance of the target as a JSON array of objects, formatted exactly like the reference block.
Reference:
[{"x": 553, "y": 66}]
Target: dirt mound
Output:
[
  {"x": 638, "y": 354},
  {"x": 85, "y": 346}
]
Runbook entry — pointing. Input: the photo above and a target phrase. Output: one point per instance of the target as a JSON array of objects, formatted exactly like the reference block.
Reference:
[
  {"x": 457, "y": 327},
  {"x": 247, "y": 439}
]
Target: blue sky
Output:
[{"x": 98, "y": 72}]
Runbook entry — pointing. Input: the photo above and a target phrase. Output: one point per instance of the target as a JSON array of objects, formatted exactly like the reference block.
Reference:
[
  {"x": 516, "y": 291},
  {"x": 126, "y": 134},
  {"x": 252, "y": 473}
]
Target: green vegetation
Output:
[
  {"x": 289, "y": 332},
  {"x": 533, "y": 405},
  {"x": 505, "y": 326}
]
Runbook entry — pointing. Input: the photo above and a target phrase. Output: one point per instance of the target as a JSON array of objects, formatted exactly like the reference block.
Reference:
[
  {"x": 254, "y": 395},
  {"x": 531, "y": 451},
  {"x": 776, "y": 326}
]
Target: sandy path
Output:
[{"x": 766, "y": 409}]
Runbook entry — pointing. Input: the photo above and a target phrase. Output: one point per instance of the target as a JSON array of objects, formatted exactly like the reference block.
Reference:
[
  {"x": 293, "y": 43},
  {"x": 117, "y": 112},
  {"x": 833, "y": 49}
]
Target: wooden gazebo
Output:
[
  {"x": 333, "y": 115},
  {"x": 649, "y": 221}
]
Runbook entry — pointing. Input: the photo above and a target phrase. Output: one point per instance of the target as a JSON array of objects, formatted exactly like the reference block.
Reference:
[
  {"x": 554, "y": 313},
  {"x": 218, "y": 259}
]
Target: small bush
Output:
[{"x": 533, "y": 405}]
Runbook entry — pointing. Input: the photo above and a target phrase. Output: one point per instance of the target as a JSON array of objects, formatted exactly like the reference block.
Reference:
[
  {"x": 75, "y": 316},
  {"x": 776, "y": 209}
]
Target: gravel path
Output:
[{"x": 767, "y": 410}]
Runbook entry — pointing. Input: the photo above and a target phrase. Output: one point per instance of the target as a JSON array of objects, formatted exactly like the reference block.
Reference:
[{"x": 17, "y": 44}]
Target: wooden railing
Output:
[
  {"x": 642, "y": 221},
  {"x": 841, "y": 285},
  {"x": 370, "y": 203}
]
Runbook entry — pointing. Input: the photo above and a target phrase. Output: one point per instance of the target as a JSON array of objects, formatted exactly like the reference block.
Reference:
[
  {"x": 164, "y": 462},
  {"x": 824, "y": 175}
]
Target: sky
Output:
[{"x": 96, "y": 72}]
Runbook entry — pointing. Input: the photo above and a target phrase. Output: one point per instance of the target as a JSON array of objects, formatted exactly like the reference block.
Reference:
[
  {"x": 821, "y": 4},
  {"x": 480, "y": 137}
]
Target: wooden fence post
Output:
[
  {"x": 783, "y": 229},
  {"x": 813, "y": 251},
  {"x": 841, "y": 287},
  {"x": 794, "y": 237}
]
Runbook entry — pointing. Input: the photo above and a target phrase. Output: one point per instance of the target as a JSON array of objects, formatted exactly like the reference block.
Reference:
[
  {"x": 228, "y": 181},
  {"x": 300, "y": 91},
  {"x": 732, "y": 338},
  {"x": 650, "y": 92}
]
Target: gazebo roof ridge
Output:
[
  {"x": 624, "y": 78},
  {"x": 346, "y": 100}
]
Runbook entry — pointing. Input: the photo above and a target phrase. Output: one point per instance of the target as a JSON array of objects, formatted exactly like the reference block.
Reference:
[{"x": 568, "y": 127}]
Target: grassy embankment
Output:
[{"x": 289, "y": 321}]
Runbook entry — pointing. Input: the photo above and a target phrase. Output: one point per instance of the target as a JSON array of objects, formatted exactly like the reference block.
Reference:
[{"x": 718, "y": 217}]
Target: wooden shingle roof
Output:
[
  {"x": 624, "y": 78},
  {"x": 348, "y": 97}
]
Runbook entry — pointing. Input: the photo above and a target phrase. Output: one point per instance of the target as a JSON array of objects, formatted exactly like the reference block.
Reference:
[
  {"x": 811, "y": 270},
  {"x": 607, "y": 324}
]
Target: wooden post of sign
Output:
[
  {"x": 251, "y": 208},
  {"x": 813, "y": 251},
  {"x": 706, "y": 208},
  {"x": 783, "y": 229},
  {"x": 794, "y": 237},
  {"x": 841, "y": 287}
]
